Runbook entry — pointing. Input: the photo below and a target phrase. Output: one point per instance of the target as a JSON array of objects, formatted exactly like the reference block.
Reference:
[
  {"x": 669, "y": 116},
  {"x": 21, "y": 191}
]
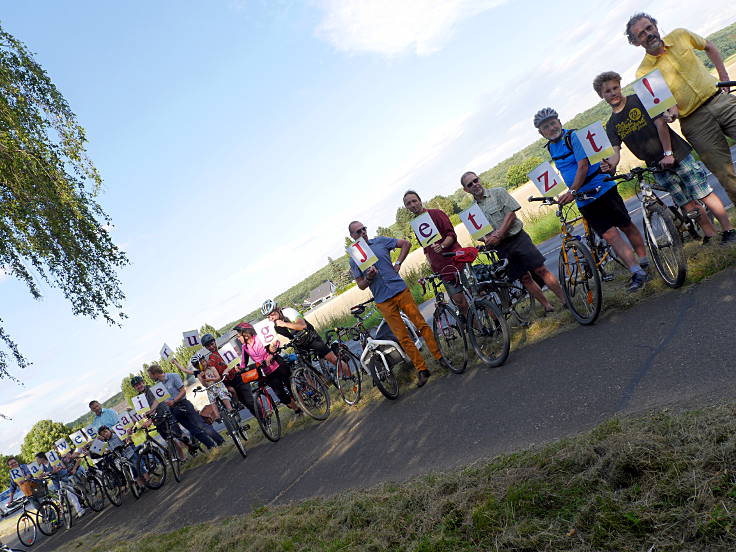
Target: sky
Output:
[{"x": 237, "y": 139}]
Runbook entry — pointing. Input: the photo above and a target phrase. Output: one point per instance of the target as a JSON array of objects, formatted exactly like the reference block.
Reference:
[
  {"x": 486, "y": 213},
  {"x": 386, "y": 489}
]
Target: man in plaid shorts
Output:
[{"x": 655, "y": 143}]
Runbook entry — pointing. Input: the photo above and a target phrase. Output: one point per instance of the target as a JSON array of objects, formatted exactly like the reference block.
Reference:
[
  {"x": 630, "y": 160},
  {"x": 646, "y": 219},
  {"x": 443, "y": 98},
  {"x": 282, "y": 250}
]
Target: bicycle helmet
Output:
[
  {"x": 242, "y": 327},
  {"x": 544, "y": 114},
  {"x": 135, "y": 380},
  {"x": 207, "y": 339},
  {"x": 194, "y": 361},
  {"x": 269, "y": 305}
]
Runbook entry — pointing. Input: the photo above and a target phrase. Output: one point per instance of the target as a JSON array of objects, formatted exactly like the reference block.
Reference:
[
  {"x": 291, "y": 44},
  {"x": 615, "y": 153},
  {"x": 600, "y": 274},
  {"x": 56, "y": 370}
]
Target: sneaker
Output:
[
  {"x": 81, "y": 513},
  {"x": 422, "y": 377},
  {"x": 728, "y": 237},
  {"x": 637, "y": 281}
]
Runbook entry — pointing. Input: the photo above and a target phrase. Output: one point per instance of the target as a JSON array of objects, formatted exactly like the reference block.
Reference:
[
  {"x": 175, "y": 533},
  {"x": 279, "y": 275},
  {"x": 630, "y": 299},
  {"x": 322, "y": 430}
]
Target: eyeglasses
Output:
[
  {"x": 360, "y": 230},
  {"x": 474, "y": 181}
]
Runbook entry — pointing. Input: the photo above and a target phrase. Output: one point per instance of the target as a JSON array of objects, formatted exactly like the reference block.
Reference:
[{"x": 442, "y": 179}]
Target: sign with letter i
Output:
[
  {"x": 546, "y": 179},
  {"x": 140, "y": 403},
  {"x": 362, "y": 254},
  {"x": 654, "y": 93},
  {"x": 425, "y": 230},
  {"x": 476, "y": 221},
  {"x": 595, "y": 142}
]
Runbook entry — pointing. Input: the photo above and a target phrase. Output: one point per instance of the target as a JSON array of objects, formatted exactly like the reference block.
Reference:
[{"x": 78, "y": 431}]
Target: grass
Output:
[{"x": 667, "y": 480}]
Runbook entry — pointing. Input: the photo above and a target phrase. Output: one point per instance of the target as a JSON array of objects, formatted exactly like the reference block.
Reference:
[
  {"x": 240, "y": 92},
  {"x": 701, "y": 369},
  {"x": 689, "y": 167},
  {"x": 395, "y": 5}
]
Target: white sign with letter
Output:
[
  {"x": 476, "y": 221},
  {"x": 160, "y": 392},
  {"x": 53, "y": 457},
  {"x": 78, "y": 438},
  {"x": 97, "y": 446},
  {"x": 654, "y": 94},
  {"x": 140, "y": 403},
  {"x": 191, "y": 338},
  {"x": 547, "y": 180},
  {"x": 91, "y": 432},
  {"x": 425, "y": 230},
  {"x": 166, "y": 352},
  {"x": 362, "y": 254},
  {"x": 62, "y": 446},
  {"x": 265, "y": 331},
  {"x": 35, "y": 469},
  {"x": 17, "y": 475},
  {"x": 119, "y": 430},
  {"x": 595, "y": 142},
  {"x": 227, "y": 352}
]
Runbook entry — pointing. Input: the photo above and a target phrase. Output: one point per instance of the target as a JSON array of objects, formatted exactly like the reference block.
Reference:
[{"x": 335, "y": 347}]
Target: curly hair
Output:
[
  {"x": 634, "y": 18},
  {"x": 603, "y": 78}
]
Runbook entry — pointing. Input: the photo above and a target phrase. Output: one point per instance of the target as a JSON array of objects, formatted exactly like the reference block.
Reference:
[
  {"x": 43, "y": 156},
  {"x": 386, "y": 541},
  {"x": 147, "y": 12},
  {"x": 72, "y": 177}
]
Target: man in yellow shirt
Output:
[{"x": 706, "y": 113}]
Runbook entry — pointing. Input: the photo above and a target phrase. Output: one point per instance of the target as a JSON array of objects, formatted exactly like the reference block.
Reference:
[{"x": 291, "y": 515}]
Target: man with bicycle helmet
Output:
[
  {"x": 231, "y": 377},
  {"x": 290, "y": 323},
  {"x": 603, "y": 206}
]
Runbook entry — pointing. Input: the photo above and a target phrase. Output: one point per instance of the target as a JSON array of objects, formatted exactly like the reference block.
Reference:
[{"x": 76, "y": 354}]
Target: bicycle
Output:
[
  {"x": 47, "y": 517},
  {"x": 90, "y": 488},
  {"x": 308, "y": 385},
  {"x": 152, "y": 459},
  {"x": 447, "y": 326},
  {"x": 172, "y": 452},
  {"x": 231, "y": 420},
  {"x": 579, "y": 269},
  {"x": 661, "y": 235},
  {"x": 267, "y": 413}
]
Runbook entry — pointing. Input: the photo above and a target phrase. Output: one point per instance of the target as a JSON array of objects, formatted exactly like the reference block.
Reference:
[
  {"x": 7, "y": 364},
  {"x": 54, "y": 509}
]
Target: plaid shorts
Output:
[
  {"x": 217, "y": 390},
  {"x": 688, "y": 182}
]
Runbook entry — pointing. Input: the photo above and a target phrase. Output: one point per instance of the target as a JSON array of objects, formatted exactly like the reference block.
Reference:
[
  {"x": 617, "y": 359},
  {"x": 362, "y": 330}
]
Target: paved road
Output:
[{"x": 666, "y": 351}]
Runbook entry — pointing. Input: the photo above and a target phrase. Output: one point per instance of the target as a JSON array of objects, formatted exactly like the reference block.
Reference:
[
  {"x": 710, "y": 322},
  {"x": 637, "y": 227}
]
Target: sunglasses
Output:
[
  {"x": 361, "y": 230},
  {"x": 474, "y": 181}
]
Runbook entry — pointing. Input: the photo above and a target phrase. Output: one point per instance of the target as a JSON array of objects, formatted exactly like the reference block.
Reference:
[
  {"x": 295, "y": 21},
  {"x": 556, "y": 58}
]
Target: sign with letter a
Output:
[
  {"x": 166, "y": 352},
  {"x": 425, "y": 230},
  {"x": 191, "y": 338},
  {"x": 35, "y": 469},
  {"x": 140, "y": 403},
  {"x": 362, "y": 254},
  {"x": 265, "y": 332},
  {"x": 546, "y": 179},
  {"x": 595, "y": 142},
  {"x": 654, "y": 93},
  {"x": 476, "y": 221}
]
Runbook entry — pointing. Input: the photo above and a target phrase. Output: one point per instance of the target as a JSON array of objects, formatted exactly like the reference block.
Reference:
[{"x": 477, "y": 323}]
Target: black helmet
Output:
[
  {"x": 135, "y": 380},
  {"x": 207, "y": 339}
]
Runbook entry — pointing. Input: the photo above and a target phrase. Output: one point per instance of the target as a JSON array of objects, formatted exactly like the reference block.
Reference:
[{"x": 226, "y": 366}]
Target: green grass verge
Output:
[{"x": 665, "y": 480}]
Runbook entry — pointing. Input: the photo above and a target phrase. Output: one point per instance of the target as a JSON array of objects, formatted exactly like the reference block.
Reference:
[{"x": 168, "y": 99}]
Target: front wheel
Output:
[
  {"x": 113, "y": 491},
  {"x": 665, "y": 246},
  {"x": 489, "y": 333},
  {"x": 451, "y": 339},
  {"x": 384, "y": 377},
  {"x": 174, "y": 459},
  {"x": 152, "y": 463},
  {"x": 26, "y": 530},
  {"x": 310, "y": 392},
  {"x": 232, "y": 428},
  {"x": 348, "y": 376},
  {"x": 580, "y": 281},
  {"x": 49, "y": 518},
  {"x": 66, "y": 509},
  {"x": 135, "y": 488},
  {"x": 95, "y": 494},
  {"x": 268, "y": 417}
]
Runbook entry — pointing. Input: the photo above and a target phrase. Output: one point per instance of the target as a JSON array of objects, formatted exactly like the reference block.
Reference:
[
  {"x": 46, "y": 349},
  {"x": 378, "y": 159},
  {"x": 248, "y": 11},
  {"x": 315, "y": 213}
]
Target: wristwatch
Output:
[{"x": 668, "y": 152}]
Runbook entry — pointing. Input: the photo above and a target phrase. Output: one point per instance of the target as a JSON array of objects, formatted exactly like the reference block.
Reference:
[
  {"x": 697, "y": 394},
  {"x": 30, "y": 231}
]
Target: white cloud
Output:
[{"x": 389, "y": 27}]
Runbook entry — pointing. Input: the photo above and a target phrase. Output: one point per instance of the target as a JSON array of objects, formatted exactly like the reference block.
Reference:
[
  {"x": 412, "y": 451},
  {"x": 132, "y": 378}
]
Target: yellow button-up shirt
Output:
[{"x": 689, "y": 80}]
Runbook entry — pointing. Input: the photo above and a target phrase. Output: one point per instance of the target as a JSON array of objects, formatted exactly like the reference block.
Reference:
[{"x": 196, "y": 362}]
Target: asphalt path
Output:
[{"x": 672, "y": 350}]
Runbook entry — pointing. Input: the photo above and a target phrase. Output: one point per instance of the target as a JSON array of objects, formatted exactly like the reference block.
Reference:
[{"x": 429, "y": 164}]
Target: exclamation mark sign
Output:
[{"x": 649, "y": 87}]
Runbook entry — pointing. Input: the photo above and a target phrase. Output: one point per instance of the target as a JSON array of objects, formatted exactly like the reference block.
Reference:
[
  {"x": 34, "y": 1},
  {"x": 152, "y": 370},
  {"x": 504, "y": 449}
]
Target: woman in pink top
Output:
[{"x": 277, "y": 376}]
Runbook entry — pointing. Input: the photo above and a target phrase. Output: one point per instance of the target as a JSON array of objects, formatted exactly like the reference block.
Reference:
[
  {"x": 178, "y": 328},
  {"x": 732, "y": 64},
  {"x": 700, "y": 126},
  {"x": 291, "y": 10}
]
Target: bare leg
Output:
[
  {"x": 635, "y": 237},
  {"x": 714, "y": 203},
  {"x": 702, "y": 219},
  {"x": 551, "y": 281},
  {"x": 622, "y": 249},
  {"x": 536, "y": 292}
]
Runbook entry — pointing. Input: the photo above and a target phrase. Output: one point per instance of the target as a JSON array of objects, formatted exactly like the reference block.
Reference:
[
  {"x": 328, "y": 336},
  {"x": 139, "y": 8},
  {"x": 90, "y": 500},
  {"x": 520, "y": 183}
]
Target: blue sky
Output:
[{"x": 237, "y": 138}]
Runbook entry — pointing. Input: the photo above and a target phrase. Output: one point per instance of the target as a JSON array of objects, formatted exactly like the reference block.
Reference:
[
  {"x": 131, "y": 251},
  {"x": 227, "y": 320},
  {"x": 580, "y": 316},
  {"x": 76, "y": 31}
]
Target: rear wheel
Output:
[
  {"x": 665, "y": 246},
  {"x": 348, "y": 376},
  {"x": 489, "y": 333},
  {"x": 268, "y": 416},
  {"x": 66, "y": 509},
  {"x": 135, "y": 488},
  {"x": 152, "y": 463},
  {"x": 26, "y": 529},
  {"x": 310, "y": 392},
  {"x": 581, "y": 282},
  {"x": 522, "y": 303},
  {"x": 451, "y": 339},
  {"x": 49, "y": 518}
]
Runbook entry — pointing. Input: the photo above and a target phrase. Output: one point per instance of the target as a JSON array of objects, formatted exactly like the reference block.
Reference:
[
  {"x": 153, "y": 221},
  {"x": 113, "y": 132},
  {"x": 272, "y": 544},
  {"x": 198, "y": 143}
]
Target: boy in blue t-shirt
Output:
[{"x": 603, "y": 206}]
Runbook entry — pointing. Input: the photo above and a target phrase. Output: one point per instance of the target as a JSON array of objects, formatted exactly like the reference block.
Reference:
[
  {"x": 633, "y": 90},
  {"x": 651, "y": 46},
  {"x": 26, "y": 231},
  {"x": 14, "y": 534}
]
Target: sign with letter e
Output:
[
  {"x": 362, "y": 254},
  {"x": 654, "y": 93},
  {"x": 476, "y": 221},
  {"x": 160, "y": 392},
  {"x": 595, "y": 142},
  {"x": 78, "y": 438},
  {"x": 546, "y": 179},
  {"x": 425, "y": 230}
]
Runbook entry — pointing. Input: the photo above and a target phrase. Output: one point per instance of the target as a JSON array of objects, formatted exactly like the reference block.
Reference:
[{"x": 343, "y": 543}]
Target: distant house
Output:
[{"x": 320, "y": 294}]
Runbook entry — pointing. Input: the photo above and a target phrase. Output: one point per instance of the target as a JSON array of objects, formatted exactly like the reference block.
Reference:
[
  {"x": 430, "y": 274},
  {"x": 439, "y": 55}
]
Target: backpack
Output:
[{"x": 568, "y": 142}]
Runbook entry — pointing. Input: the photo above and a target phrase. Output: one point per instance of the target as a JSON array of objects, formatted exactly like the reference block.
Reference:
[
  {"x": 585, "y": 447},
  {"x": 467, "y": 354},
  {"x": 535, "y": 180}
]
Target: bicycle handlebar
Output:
[{"x": 726, "y": 84}]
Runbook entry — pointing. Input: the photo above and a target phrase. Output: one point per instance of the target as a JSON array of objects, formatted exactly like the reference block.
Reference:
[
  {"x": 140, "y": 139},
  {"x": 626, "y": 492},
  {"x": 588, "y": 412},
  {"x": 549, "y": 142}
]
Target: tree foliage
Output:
[
  {"x": 725, "y": 41},
  {"x": 52, "y": 228},
  {"x": 41, "y": 438},
  {"x": 210, "y": 329},
  {"x": 339, "y": 271},
  {"x": 443, "y": 203},
  {"x": 516, "y": 175}
]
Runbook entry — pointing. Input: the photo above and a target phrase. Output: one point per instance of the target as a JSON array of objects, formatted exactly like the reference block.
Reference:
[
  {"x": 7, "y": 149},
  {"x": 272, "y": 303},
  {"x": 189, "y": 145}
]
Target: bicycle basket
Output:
[{"x": 249, "y": 375}]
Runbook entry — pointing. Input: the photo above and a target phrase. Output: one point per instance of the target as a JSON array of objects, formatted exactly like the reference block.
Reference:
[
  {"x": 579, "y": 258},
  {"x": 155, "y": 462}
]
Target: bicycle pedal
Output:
[{"x": 607, "y": 277}]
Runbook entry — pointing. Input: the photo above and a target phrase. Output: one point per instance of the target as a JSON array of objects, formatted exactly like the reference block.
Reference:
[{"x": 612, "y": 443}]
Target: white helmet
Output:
[
  {"x": 544, "y": 114},
  {"x": 268, "y": 306}
]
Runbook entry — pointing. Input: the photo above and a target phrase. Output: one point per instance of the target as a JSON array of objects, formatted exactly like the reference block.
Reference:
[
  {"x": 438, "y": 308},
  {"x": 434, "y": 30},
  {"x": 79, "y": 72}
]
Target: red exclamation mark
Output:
[{"x": 649, "y": 87}]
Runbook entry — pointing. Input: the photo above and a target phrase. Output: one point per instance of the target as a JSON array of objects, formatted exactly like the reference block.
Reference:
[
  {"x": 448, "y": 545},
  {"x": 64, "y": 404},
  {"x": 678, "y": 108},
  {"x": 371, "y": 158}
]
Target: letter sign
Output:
[
  {"x": 140, "y": 403},
  {"x": 227, "y": 352},
  {"x": 62, "y": 446},
  {"x": 546, "y": 179},
  {"x": 654, "y": 93},
  {"x": 160, "y": 392},
  {"x": 91, "y": 432},
  {"x": 17, "y": 475},
  {"x": 78, "y": 438},
  {"x": 362, "y": 254},
  {"x": 126, "y": 419},
  {"x": 191, "y": 338},
  {"x": 166, "y": 352},
  {"x": 97, "y": 446},
  {"x": 53, "y": 457},
  {"x": 595, "y": 142},
  {"x": 34, "y": 468},
  {"x": 425, "y": 230},
  {"x": 476, "y": 222},
  {"x": 265, "y": 332},
  {"x": 120, "y": 430}
]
